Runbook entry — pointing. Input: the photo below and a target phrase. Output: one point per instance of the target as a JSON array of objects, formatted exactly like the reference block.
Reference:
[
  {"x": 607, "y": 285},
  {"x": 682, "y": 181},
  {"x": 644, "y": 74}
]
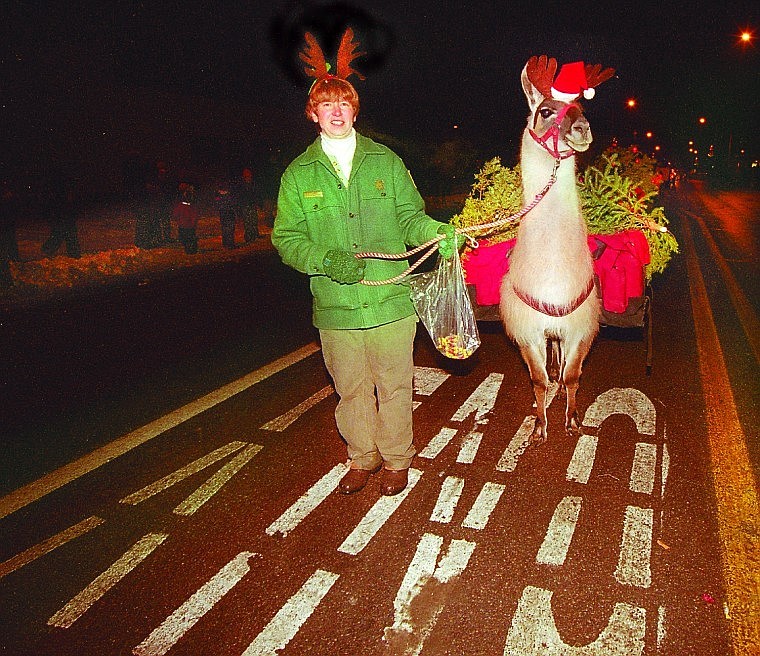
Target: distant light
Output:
[
  {"x": 631, "y": 103},
  {"x": 702, "y": 120},
  {"x": 746, "y": 36},
  {"x": 456, "y": 126},
  {"x": 657, "y": 148},
  {"x": 649, "y": 135}
]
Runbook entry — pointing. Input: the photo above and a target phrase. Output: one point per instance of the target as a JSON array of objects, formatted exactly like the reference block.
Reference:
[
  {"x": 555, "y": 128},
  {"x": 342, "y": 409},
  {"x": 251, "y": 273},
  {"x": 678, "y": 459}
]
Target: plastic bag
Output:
[{"x": 441, "y": 300}]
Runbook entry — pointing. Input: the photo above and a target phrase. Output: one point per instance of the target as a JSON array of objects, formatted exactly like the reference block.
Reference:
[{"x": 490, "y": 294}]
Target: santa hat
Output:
[{"x": 571, "y": 82}]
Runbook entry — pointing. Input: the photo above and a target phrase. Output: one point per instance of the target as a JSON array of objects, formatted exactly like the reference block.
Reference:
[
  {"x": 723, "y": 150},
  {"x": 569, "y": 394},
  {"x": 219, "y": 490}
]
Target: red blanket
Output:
[{"x": 619, "y": 261}]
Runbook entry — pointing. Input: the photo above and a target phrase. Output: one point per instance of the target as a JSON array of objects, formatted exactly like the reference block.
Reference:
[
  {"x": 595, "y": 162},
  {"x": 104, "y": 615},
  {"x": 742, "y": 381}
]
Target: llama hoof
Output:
[
  {"x": 572, "y": 427},
  {"x": 538, "y": 436}
]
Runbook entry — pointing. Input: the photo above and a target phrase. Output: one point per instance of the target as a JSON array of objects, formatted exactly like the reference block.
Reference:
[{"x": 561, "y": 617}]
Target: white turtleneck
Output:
[{"x": 340, "y": 152}]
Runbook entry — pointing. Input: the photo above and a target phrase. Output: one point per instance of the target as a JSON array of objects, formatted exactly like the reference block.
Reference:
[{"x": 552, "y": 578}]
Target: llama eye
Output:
[{"x": 545, "y": 112}]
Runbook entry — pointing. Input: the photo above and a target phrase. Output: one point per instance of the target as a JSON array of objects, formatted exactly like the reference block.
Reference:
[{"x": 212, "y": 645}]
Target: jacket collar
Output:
[{"x": 364, "y": 146}]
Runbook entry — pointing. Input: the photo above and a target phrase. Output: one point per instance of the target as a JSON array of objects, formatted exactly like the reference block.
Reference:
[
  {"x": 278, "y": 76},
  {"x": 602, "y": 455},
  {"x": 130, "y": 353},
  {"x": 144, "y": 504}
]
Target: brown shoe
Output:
[
  {"x": 355, "y": 479},
  {"x": 394, "y": 481}
]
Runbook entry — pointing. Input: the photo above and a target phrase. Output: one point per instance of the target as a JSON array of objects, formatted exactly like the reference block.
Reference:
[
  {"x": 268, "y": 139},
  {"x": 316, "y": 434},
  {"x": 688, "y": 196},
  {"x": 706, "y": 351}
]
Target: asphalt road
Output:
[{"x": 180, "y": 497}]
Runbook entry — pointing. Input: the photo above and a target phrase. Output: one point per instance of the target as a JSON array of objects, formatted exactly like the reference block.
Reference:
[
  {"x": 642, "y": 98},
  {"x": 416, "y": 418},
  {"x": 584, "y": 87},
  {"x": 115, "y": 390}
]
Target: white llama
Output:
[{"x": 547, "y": 297}]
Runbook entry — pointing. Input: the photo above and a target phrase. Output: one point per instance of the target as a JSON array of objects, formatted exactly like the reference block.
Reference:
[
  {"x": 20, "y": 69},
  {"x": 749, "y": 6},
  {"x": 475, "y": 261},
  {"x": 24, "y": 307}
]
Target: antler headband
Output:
[{"x": 318, "y": 67}]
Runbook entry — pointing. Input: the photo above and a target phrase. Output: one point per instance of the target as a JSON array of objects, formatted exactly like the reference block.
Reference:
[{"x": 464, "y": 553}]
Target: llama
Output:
[{"x": 547, "y": 296}]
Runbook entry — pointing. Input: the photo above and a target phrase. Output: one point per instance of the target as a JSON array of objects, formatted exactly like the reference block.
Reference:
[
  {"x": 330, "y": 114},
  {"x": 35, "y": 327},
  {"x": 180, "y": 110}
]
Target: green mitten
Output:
[
  {"x": 451, "y": 241},
  {"x": 342, "y": 266}
]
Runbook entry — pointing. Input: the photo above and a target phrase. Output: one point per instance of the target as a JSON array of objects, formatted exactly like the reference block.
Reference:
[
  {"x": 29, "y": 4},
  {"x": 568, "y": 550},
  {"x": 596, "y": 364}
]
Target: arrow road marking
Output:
[
  {"x": 644, "y": 467},
  {"x": 283, "y": 421}
]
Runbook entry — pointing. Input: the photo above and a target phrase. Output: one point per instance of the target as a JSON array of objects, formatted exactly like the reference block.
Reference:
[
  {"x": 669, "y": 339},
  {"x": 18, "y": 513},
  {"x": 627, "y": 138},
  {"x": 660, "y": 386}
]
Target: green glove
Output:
[
  {"x": 451, "y": 241},
  {"x": 342, "y": 266}
]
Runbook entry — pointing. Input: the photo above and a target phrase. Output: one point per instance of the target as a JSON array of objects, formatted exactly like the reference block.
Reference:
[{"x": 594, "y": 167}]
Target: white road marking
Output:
[
  {"x": 46, "y": 546},
  {"x": 190, "y": 505},
  {"x": 68, "y": 473},
  {"x": 469, "y": 448},
  {"x": 448, "y": 497},
  {"x": 315, "y": 495},
  {"x": 665, "y": 470},
  {"x": 533, "y": 631},
  {"x": 283, "y": 421},
  {"x": 428, "y": 379},
  {"x": 411, "y": 626},
  {"x": 582, "y": 462},
  {"x": 559, "y": 535},
  {"x": 79, "y": 605},
  {"x": 289, "y": 619},
  {"x": 662, "y": 629},
  {"x": 376, "y": 517},
  {"x": 633, "y": 566},
  {"x": 182, "y": 473},
  {"x": 484, "y": 505},
  {"x": 516, "y": 446},
  {"x": 481, "y": 401},
  {"x": 438, "y": 443},
  {"x": 166, "y": 635},
  {"x": 644, "y": 468},
  {"x": 627, "y": 401}
]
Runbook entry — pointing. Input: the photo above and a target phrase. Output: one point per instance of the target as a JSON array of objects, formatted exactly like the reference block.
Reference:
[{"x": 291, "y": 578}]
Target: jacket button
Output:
[
  {"x": 351, "y": 215},
  {"x": 315, "y": 207},
  {"x": 340, "y": 186},
  {"x": 354, "y": 245},
  {"x": 365, "y": 305}
]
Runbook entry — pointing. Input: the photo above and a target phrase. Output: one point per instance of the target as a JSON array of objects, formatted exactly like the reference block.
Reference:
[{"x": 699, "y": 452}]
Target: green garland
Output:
[{"x": 617, "y": 193}]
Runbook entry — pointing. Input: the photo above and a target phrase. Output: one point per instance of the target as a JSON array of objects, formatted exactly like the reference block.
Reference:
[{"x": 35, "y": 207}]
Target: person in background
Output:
[
  {"x": 62, "y": 209},
  {"x": 225, "y": 205},
  {"x": 185, "y": 215},
  {"x": 247, "y": 204},
  {"x": 9, "y": 209},
  {"x": 347, "y": 194}
]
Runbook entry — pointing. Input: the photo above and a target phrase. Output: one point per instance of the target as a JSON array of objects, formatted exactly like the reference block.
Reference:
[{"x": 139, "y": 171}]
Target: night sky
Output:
[{"x": 430, "y": 65}]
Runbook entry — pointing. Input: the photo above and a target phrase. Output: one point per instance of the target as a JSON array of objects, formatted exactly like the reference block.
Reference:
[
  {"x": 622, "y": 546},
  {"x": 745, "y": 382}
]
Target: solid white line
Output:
[
  {"x": 438, "y": 443},
  {"x": 315, "y": 495},
  {"x": 582, "y": 462},
  {"x": 79, "y": 605},
  {"x": 448, "y": 497},
  {"x": 166, "y": 635},
  {"x": 469, "y": 448},
  {"x": 484, "y": 505},
  {"x": 45, "y": 547},
  {"x": 376, "y": 517},
  {"x": 215, "y": 483},
  {"x": 280, "y": 423},
  {"x": 559, "y": 535},
  {"x": 181, "y": 474},
  {"x": 644, "y": 467},
  {"x": 634, "y": 567},
  {"x": 289, "y": 619},
  {"x": 68, "y": 473}
]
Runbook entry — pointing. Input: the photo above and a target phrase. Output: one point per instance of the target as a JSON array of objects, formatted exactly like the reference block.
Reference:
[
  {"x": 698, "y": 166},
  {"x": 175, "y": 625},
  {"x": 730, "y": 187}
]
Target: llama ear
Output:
[{"x": 533, "y": 95}]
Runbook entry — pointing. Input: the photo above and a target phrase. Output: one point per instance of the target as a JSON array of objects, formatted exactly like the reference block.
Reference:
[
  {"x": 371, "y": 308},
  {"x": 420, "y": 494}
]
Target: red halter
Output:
[{"x": 553, "y": 134}]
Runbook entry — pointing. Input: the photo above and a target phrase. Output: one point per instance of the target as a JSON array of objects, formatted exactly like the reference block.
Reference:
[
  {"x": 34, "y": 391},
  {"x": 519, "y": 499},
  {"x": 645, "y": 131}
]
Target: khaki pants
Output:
[{"x": 372, "y": 370}]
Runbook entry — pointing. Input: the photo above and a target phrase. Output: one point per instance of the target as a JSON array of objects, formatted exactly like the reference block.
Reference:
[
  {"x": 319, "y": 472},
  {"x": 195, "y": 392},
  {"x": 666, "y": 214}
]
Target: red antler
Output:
[
  {"x": 541, "y": 71},
  {"x": 346, "y": 54},
  {"x": 313, "y": 57},
  {"x": 595, "y": 75}
]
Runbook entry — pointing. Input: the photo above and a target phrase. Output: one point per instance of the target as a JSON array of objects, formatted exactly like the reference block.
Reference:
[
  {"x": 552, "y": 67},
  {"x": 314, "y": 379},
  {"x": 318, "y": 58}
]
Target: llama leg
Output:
[
  {"x": 535, "y": 357},
  {"x": 574, "y": 355}
]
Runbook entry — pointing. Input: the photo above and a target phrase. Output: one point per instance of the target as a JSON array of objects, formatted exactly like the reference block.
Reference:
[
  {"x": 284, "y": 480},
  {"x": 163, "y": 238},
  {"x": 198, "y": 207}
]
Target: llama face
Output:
[{"x": 567, "y": 119}]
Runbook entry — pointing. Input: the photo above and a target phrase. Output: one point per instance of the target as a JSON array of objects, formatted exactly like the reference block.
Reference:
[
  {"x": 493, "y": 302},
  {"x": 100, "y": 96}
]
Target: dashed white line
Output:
[
  {"x": 481, "y": 401},
  {"x": 283, "y": 421},
  {"x": 516, "y": 446},
  {"x": 315, "y": 495},
  {"x": 376, "y": 517},
  {"x": 79, "y": 605},
  {"x": 166, "y": 635},
  {"x": 469, "y": 449},
  {"x": 45, "y": 547},
  {"x": 428, "y": 379},
  {"x": 559, "y": 535},
  {"x": 289, "y": 619},
  {"x": 484, "y": 505},
  {"x": 448, "y": 497},
  {"x": 582, "y": 462},
  {"x": 438, "y": 443}
]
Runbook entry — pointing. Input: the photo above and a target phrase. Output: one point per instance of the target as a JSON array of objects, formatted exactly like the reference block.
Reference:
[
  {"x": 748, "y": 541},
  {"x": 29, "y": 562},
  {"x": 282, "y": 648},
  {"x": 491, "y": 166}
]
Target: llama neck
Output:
[{"x": 537, "y": 166}]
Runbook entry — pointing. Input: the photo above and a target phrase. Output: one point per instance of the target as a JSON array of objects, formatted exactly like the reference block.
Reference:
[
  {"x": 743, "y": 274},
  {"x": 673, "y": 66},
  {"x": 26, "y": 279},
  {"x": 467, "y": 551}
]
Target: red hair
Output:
[{"x": 331, "y": 89}]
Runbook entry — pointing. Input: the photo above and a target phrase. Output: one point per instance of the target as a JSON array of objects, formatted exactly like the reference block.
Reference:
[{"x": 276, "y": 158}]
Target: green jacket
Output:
[{"x": 380, "y": 211}]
